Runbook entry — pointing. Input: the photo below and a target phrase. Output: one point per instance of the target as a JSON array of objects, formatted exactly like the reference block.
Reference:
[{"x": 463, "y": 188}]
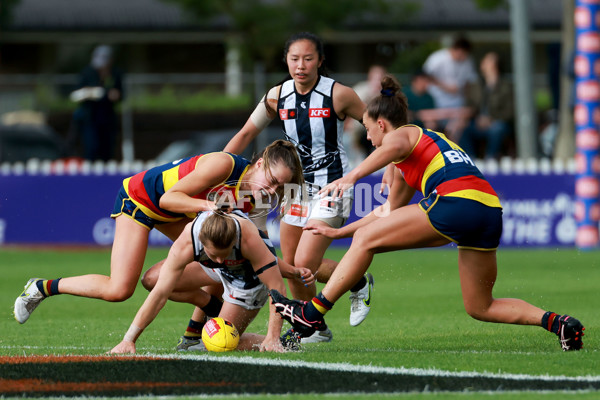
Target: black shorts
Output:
[
  {"x": 468, "y": 223},
  {"x": 124, "y": 205}
]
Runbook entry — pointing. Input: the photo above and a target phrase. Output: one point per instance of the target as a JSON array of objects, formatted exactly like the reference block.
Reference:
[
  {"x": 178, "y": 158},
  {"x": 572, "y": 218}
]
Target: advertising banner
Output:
[
  {"x": 587, "y": 121},
  {"x": 539, "y": 210}
]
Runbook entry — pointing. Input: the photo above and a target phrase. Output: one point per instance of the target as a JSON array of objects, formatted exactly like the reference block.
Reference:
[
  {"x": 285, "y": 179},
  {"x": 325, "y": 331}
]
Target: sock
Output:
[
  {"x": 317, "y": 308},
  {"x": 361, "y": 284},
  {"x": 550, "y": 322},
  {"x": 194, "y": 330},
  {"x": 213, "y": 308},
  {"x": 48, "y": 287}
]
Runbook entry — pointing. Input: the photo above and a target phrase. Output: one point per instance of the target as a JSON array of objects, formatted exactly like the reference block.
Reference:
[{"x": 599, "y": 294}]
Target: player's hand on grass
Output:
[
  {"x": 326, "y": 231},
  {"x": 123, "y": 348},
  {"x": 272, "y": 344}
]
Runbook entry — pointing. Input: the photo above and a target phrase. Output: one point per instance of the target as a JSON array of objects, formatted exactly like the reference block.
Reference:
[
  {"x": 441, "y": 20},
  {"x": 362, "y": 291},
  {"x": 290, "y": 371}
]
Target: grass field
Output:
[{"x": 417, "y": 321}]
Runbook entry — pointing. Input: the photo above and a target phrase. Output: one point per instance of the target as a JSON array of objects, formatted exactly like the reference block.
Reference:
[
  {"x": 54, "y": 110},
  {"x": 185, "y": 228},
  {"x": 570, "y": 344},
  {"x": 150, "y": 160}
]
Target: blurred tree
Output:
[
  {"x": 490, "y": 4},
  {"x": 259, "y": 27},
  {"x": 6, "y": 7}
]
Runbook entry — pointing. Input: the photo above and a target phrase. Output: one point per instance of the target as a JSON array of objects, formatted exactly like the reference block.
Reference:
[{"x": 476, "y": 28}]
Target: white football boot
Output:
[
  {"x": 318, "y": 337},
  {"x": 28, "y": 301},
  {"x": 360, "y": 302}
]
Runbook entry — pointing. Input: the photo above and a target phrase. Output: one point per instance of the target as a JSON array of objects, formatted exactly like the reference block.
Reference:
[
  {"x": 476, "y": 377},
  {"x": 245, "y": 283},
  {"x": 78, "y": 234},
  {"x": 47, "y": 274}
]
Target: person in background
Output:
[
  {"x": 418, "y": 98},
  {"x": 491, "y": 100},
  {"x": 450, "y": 70},
  {"x": 366, "y": 90},
  {"x": 100, "y": 89}
]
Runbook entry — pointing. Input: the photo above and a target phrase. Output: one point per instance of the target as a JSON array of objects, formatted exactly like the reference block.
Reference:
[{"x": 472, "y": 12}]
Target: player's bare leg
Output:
[
  {"x": 478, "y": 270},
  {"x": 127, "y": 260}
]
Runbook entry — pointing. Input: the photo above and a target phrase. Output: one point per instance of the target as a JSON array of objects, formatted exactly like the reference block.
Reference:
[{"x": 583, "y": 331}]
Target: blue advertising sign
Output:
[{"x": 75, "y": 209}]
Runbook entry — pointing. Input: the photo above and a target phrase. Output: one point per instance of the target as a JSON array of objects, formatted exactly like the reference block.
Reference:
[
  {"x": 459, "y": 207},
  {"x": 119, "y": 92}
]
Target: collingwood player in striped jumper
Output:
[{"x": 312, "y": 109}]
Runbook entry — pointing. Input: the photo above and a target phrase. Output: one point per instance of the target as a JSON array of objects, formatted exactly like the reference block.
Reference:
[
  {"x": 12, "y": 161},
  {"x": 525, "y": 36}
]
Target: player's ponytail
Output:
[{"x": 391, "y": 103}]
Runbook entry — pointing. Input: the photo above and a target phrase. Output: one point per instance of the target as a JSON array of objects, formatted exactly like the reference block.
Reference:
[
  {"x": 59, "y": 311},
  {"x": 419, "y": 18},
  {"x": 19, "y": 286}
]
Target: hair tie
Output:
[{"x": 388, "y": 92}]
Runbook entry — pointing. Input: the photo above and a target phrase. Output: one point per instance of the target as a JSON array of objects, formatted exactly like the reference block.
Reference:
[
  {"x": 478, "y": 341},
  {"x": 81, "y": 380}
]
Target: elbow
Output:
[{"x": 165, "y": 202}]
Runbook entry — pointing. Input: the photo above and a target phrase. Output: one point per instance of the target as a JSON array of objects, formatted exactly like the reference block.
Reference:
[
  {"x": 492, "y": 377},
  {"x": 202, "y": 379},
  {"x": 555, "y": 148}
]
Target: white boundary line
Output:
[{"x": 345, "y": 367}]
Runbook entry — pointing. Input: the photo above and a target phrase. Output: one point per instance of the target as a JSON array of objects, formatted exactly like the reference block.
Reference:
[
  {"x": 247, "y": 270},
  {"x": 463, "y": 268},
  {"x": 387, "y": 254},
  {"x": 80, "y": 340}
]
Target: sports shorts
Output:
[
  {"x": 249, "y": 299},
  {"x": 332, "y": 211},
  {"x": 125, "y": 206},
  {"x": 468, "y": 223}
]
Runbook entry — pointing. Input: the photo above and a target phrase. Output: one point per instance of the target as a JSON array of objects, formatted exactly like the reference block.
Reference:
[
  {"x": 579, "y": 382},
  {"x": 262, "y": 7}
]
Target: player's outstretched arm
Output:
[
  {"x": 264, "y": 263},
  {"x": 288, "y": 271},
  {"x": 180, "y": 254}
]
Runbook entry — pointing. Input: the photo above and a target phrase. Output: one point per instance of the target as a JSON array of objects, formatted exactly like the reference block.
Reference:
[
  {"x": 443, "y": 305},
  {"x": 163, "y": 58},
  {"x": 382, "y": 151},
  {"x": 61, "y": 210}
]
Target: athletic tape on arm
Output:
[{"x": 259, "y": 116}]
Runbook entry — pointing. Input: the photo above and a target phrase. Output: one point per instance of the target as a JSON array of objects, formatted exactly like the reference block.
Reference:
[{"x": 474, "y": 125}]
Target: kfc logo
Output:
[{"x": 319, "y": 112}]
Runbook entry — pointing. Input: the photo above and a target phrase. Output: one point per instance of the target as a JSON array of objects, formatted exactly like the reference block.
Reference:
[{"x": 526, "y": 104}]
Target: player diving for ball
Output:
[
  {"x": 228, "y": 249},
  {"x": 167, "y": 198}
]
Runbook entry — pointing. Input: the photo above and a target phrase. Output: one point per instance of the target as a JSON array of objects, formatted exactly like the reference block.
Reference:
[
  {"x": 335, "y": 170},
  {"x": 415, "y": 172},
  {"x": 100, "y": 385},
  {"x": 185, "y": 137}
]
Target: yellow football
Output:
[{"x": 220, "y": 335}]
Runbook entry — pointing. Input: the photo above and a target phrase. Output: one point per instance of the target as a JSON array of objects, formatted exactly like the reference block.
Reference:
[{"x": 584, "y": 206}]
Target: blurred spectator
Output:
[
  {"x": 95, "y": 120},
  {"x": 491, "y": 101},
  {"x": 450, "y": 70},
  {"x": 360, "y": 147},
  {"x": 419, "y": 99}
]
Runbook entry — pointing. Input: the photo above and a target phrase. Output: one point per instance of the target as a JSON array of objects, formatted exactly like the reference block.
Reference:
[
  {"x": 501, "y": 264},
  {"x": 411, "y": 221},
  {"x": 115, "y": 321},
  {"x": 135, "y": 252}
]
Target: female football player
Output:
[
  {"x": 459, "y": 206},
  {"x": 229, "y": 249},
  {"x": 168, "y": 197},
  {"x": 312, "y": 109}
]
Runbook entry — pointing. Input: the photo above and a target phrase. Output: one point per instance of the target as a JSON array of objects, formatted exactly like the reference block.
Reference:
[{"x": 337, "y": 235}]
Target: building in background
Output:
[{"x": 45, "y": 42}]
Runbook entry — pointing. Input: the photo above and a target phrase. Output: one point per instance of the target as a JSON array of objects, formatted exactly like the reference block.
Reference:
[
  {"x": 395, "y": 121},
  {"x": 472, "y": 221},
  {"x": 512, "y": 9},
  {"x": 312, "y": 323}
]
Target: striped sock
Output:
[
  {"x": 48, "y": 287},
  {"x": 316, "y": 308},
  {"x": 550, "y": 322},
  {"x": 194, "y": 330}
]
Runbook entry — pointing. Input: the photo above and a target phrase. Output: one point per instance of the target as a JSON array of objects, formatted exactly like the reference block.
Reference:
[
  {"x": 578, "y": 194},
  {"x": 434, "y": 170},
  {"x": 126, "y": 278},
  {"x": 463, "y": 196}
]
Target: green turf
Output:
[{"x": 417, "y": 319}]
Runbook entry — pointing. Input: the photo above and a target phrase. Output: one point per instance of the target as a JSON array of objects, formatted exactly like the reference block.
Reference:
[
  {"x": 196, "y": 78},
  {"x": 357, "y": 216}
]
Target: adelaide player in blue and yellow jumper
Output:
[
  {"x": 459, "y": 206},
  {"x": 168, "y": 197}
]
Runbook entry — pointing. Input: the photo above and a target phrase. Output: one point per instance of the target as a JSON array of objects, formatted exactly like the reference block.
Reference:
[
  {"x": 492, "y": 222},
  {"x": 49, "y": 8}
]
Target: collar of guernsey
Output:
[
  {"x": 436, "y": 164},
  {"x": 145, "y": 188}
]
